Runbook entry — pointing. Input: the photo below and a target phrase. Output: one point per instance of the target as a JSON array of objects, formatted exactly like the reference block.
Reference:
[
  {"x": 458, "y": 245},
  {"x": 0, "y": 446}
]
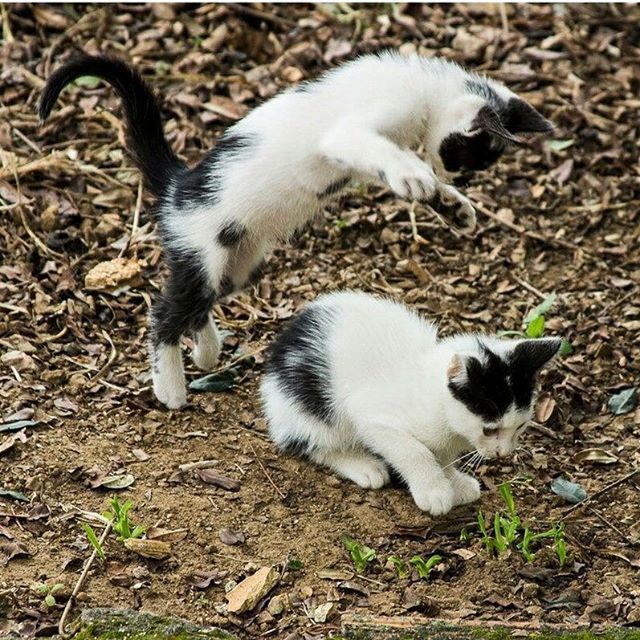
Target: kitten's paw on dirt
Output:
[
  {"x": 437, "y": 500},
  {"x": 466, "y": 488}
]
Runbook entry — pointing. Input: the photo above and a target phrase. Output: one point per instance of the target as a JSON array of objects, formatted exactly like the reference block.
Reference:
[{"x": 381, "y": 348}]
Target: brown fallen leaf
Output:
[
  {"x": 252, "y": 589},
  {"x": 231, "y": 536},
  {"x": 13, "y": 549},
  {"x": 599, "y": 456},
  {"x": 166, "y": 535},
  {"x": 544, "y": 409},
  {"x": 213, "y": 477},
  {"x": 204, "y": 579},
  {"x": 156, "y": 549},
  {"x": 13, "y": 439}
]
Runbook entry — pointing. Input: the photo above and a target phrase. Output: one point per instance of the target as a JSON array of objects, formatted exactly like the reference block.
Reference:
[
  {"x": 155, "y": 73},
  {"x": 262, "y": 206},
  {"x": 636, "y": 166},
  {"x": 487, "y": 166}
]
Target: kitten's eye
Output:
[{"x": 489, "y": 431}]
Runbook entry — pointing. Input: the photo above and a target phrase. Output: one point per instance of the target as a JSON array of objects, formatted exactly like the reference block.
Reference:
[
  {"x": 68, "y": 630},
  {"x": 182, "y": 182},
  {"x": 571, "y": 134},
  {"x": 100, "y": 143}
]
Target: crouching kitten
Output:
[{"x": 361, "y": 384}]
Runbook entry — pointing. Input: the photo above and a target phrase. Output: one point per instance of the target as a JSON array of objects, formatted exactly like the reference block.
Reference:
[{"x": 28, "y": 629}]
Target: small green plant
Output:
[
  {"x": 122, "y": 525},
  {"x": 465, "y": 536},
  {"x": 93, "y": 539},
  {"x": 118, "y": 515},
  {"x": 534, "y": 323},
  {"x": 360, "y": 553},
  {"x": 294, "y": 564},
  {"x": 425, "y": 567},
  {"x": 47, "y": 592},
  {"x": 509, "y": 532},
  {"x": 399, "y": 566}
]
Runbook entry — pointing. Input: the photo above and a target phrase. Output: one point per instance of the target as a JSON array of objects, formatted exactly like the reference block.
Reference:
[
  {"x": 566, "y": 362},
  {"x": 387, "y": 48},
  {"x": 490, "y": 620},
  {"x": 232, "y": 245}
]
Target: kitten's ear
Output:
[
  {"x": 529, "y": 356},
  {"x": 488, "y": 120},
  {"x": 456, "y": 371},
  {"x": 521, "y": 117}
]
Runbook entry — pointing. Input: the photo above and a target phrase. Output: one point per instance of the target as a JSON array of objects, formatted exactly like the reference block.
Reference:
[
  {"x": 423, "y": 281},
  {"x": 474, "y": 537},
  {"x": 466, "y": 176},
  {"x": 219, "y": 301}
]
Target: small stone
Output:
[
  {"x": 251, "y": 590},
  {"x": 278, "y": 604}
]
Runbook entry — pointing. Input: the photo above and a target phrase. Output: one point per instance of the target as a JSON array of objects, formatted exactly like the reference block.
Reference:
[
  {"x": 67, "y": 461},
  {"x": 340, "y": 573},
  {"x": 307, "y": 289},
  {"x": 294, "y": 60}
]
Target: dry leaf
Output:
[{"x": 251, "y": 590}]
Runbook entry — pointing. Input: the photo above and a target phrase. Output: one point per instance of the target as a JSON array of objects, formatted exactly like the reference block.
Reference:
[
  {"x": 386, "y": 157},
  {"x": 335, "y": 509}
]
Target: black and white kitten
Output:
[
  {"x": 274, "y": 170},
  {"x": 360, "y": 384}
]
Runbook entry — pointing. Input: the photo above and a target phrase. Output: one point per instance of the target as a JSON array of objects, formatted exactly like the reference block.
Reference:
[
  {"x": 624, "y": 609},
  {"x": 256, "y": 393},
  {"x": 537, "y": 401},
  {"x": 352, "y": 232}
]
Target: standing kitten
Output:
[
  {"x": 274, "y": 170},
  {"x": 357, "y": 383}
]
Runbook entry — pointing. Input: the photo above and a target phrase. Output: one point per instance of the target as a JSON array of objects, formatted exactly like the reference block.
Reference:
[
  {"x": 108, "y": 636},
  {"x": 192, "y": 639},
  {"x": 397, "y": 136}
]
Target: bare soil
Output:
[{"x": 73, "y": 358}]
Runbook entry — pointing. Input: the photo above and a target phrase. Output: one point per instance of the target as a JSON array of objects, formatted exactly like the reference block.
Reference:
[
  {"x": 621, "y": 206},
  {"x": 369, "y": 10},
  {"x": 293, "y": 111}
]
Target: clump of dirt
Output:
[{"x": 560, "y": 215}]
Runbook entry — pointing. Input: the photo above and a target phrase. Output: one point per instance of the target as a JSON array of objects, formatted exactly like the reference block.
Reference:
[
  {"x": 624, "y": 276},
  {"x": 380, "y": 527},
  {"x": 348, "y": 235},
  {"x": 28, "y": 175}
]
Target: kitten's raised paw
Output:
[
  {"x": 437, "y": 500},
  {"x": 466, "y": 488},
  {"x": 410, "y": 178}
]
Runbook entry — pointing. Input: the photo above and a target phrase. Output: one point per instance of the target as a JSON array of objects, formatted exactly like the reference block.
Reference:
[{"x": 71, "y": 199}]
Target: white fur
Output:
[
  {"x": 388, "y": 384},
  {"x": 169, "y": 383}
]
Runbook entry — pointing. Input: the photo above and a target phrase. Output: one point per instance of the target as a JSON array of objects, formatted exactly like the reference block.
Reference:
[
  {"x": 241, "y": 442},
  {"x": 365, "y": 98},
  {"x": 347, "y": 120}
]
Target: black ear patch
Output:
[
  {"x": 527, "y": 359},
  {"x": 520, "y": 117},
  {"x": 472, "y": 153},
  {"x": 485, "y": 391}
]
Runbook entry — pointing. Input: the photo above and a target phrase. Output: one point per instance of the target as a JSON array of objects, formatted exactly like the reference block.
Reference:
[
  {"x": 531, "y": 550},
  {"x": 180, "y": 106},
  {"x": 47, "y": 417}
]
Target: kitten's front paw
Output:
[
  {"x": 454, "y": 208},
  {"x": 438, "y": 499},
  {"x": 410, "y": 178},
  {"x": 466, "y": 488}
]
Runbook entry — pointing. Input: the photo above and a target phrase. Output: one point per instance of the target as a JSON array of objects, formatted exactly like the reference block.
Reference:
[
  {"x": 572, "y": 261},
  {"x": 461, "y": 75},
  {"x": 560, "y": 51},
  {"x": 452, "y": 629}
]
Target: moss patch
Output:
[{"x": 105, "y": 624}]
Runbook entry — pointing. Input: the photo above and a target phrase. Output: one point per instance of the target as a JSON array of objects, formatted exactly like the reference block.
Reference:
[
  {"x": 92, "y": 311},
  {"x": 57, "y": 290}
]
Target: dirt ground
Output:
[{"x": 561, "y": 215}]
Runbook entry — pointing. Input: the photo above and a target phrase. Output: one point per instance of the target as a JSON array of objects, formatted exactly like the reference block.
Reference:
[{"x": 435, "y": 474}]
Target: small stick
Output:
[
  {"x": 599, "y": 493},
  {"x": 525, "y": 285},
  {"x": 135, "y": 223},
  {"x": 503, "y": 17},
  {"x": 112, "y": 357},
  {"x": 266, "y": 473},
  {"x": 201, "y": 464},
  {"x": 80, "y": 582},
  {"x": 609, "y": 524}
]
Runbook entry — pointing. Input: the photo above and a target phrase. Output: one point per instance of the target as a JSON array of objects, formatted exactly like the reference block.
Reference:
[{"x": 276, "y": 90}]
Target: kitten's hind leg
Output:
[
  {"x": 206, "y": 346},
  {"x": 364, "y": 469},
  {"x": 182, "y": 308}
]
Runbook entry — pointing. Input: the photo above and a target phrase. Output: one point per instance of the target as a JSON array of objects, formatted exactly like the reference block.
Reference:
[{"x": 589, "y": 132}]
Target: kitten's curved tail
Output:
[{"x": 146, "y": 141}]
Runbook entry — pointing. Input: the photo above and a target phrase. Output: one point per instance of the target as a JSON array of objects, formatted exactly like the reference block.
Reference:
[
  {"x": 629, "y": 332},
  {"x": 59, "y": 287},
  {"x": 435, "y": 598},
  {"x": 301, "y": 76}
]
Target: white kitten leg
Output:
[
  {"x": 206, "y": 346},
  {"x": 465, "y": 487},
  {"x": 348, "y": 145},
  {"x": 365, "y": 470},
  {"x": 430, "y": 488},
  {"x": 169, "y": 382},
  {"x": 454, "y": 208}
]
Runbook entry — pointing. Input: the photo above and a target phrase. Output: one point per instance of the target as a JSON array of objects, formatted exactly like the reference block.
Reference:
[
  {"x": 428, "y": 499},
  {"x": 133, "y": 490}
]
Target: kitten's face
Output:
[
  {"x": 500, "y": 116},
  {"x": 493, "y": 394}
]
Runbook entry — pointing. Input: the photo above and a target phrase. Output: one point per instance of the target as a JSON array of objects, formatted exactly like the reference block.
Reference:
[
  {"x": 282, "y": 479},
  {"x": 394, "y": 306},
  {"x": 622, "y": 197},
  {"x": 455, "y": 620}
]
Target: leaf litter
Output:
[{"x": 566, "y": 220}]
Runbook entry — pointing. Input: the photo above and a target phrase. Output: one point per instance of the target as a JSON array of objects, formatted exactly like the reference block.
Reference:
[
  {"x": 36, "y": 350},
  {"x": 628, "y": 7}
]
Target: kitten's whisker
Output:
[{"x": 466, "y": 455}]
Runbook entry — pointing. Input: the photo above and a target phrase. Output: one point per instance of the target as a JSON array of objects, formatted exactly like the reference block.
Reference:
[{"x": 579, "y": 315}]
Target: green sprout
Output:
[
  {"x": 122, "y": 525},
  {"x": 399, "y": 566},
  {"x": 48, "y": 592},
  {"x": 425, "y": 567},
  {"x": 534, "y": 323},
  {"x": 360, "y": 553},
  {"x": 93, "y": 539}
]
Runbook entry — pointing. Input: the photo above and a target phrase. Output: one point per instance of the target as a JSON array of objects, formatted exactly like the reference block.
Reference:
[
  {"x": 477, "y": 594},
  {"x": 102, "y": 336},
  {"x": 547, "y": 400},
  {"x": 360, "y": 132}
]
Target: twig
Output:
[
  {"x": 263, "y": 15},
  {"x": 266, "y": 473},
  {"x": 529, "y": 287},
  {"x": 609, "y": 524},
  {"x": 112, "y": 356},
  {"x": 80, "y": 582},
  {"x": 201, "y": 464},
  {"x": 136, "y": 221},
  {"x": 414, "y": 227},
  {"x": 599, "y": 493},
  {"x": 554, "y": 242},
  {"x": 503, "y": 17}
]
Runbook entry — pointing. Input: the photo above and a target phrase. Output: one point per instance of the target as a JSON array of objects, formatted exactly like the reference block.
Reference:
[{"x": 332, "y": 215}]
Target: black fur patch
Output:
[
  {"x": 482, "y": 88},
  {"x": 184, "y": 304},
  {"x": 256, "y": 274},
  {"x": 474, "y": 153},
  {"x": 525, "y": 362},
  {"x": 299, "y": 361},
  {"x": 520, "y": 117},
  {"x": 226, "y": 287},
  {"x": 231, "y": 234},
  {"x": 333, "y": 188},
  {"x": 200, "y": 185},
  {"x": 487, "y": 392}
]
